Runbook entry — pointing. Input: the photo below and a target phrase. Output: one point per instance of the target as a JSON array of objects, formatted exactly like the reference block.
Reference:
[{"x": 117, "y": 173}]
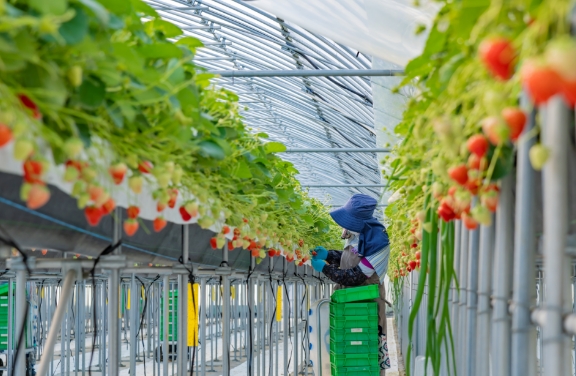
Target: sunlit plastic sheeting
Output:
[{"x": 381, "y": 28}]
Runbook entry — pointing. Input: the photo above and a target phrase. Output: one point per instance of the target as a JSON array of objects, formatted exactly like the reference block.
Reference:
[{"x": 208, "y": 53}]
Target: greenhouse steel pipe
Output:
[
  {"x": 203, "y": 318},
  {"x": 113, "y": 322},
  {"x": 524, "y": 286},
  {"x": 48, "y": 350},
  {"x": 337, "y": 150},
  {"x": 166, "y": 295},
  {"x": 455, "y": 318},
  {"x": 285, "y": 314},
  {"x": 134, "y": 313},
  {"x": 501, "y": 335},
  {"x": 225, "y": 316},
  {"x": 555, "y": 137},
  {"x": 472, "y": 300},
  {"x": 484, "y": 291},
  {"x": 463, "y": 278},
  {"x": 344, "y": 185},
  {"x": 182, "y": 347},
  {"x": 311, "y": 73}
]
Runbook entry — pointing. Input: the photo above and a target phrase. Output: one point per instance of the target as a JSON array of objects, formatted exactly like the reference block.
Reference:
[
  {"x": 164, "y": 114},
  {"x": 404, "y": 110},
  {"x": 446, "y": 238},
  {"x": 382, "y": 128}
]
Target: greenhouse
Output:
[{"x": 287, "y": 187}]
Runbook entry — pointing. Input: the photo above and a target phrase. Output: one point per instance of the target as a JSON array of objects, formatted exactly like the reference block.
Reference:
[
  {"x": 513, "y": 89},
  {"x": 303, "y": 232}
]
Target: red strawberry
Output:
[
  {"x": 214, "y": 243},
  {"x": 93, "y": 215},
  {"x": 5, "y": 135},
  {"x": 541, "y": 81},
  {"x": 477, "y": 145},
  {"x": 38, "y": 196},
  {"x": 173, "y": 196},
  {"x": 459, "y": 174},
  {"x": 476, "y": 163},
  {"x": 225, "y": 230},
  {"x": 245, "y": 220},
  {"x": 118, "y": 171},
  {"x": 498, "y": 55},
  {"x": 495, "y": 129},
  {"x": 412, "y": 264},
  {"x": 145, "y": 167},
  {"x": 469, "y": 221},
  {"x": 109, "y": 206},
  {"x": 446, "y": 213},
  {"x": 473, "y": 185},
  {"x": 231, "y": 246},
  {"x": 28, "y": 103},
  {"x": 160, "y": 206},
  {"x": 159, "y": 223},
  {"x": 184, "y": 214},
  {"x": 289, "y": 257},
  {"x": 32, "y": 171},
  {"x": 131, "y": 226},
  {"x": 417, "y": 255},
  {"x": 133, "y": 212},
  {"x": 569, "y": 92},
  {"x": 96, "y": 192},
  {"x": 516, "y": 120},
  {"x": 256, "y": 253},
  {"x": 490, "y": 200}
]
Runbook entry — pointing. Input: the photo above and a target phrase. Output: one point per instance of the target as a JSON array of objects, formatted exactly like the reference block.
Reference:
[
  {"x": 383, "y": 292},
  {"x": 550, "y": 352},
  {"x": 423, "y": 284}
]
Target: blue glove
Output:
[
  {"x": 318, "y": 265},
  {"x": 321, "y": 253}
]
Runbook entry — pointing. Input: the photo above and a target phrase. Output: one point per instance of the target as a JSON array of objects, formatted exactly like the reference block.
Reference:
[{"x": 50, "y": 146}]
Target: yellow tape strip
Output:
[
  {"x": 193, "y": 309},
  {"x": 279, "y": 303}
]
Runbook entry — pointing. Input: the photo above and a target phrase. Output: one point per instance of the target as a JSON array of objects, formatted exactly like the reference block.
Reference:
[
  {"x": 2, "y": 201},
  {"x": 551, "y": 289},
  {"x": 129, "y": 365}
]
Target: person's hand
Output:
[
  {"x": 318, "y": 265},
  {"x": 319, "y": 253}
]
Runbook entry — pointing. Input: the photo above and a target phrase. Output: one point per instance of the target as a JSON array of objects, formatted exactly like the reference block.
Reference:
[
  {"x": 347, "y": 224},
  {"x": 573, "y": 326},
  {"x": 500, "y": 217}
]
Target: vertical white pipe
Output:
[
  {"x": 555, "y": 137},
  {"x": 472, "y": 301},
  {"x": 113, "y": 327},
  {"x": 463, "y": 279},
  {"x": 133, "y": 323},
  {"x": 203, "y": 317},
  {"x": 484, "y": 309},
  {"x": 524, "y": 274},
  {"x": 166, "y": 301},
  {"x": 20, "y": 321}
]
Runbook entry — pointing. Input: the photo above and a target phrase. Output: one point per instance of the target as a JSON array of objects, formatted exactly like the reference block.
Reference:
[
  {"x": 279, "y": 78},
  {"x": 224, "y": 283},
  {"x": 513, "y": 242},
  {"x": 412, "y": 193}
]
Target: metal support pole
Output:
[
  {"x": 501, "y": 335},
  {"x": 463, "y": 278},
  {"x": 250, "y": 328},
  {"x": 555, "y": 137},
  {"x": 345, "y": 185},
  {"x": 310, "y": 73},
  {"x": 113, "y": 323},
  {"x": 472, "y": 301},
  {"x": 225, "y": 316},
  {"x": 203, "y": 317},
  {"x": 285, "y": 316},
  {"x": 65, "y": 295},
  {"x": 337, "y": 150},
  {"x": 484, "y": 290},
  {"x": 295, "y": 312},
  {"x": 524, "y": 286},
  {"x": 133, "y": 323},
  {"x": 20, "y": 320},
  {"x": 165, "y": 305},
  {"x": 182, "y": 348}
]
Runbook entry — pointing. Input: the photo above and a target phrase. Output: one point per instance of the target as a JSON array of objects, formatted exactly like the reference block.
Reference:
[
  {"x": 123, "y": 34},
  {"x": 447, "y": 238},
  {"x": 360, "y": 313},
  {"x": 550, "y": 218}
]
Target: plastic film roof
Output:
[{"x": 301, "y": 112}]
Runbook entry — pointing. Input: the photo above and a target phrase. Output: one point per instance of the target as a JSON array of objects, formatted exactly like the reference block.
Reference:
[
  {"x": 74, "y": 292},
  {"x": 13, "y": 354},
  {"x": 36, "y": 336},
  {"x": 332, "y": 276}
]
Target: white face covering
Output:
[{"x": 352, "y": 240}]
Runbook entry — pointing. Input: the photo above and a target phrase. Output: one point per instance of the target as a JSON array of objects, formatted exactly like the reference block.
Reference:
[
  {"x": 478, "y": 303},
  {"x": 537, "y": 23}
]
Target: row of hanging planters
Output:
[
  {"x": 109, "y": 90},
  {"x": 460, "y": 131}
]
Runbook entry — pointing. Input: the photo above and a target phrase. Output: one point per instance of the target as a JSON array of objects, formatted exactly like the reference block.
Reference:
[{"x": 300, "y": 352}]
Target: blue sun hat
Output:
[{"x": 355, "y": 213}]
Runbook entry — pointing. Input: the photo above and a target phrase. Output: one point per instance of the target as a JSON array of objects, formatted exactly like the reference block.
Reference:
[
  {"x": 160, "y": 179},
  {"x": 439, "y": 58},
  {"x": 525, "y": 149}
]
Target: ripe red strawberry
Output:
[
  {"x": 256, "y": 253},
  {"x": 469, "y": 221},
  {"x": 490, "y": 200},
  {"x": 173, "y": 196},
  {"x": 459, "y": 174},
  {"x": 160, "y": 206},
  {"x": 477, "y": 145},
  {"x": 476, "y": 163},
  {"x": 231, "y": 246},
  {"x": 32, "y": 171},
  {"x": 245, "y": 220},
  {"x": 446, "y": 212},
  {"x": 498, "y": 55},
  {"x": 417, "y": 255},
  {"x": 118, "y": 171},
  {"x": 225, "y": 230},
  {"x": 131, "y": 226},
  {"x": 38, "y": 196},
  {"x": 145, "y": 167},
  {"x": 473, "y": 185},
  {"x": 29, "y": 104},
  {"x": 159, "y": 223},
  {"x": 541, "y": 81},
  {"x": 290, "y": 257},
  {"x": 516, "y": 120},
  {"x": 96, "y": 192},
  {"x": 93, "y": 215},
  {"x": 184, "y": 214},
  {"x": 412, "y": 264},
  {"x": 495, "y": 129},
  {"x": 133, "y": 212},
  {"x": 5, "y": 135},
  {"x": 109, "y": 206}
]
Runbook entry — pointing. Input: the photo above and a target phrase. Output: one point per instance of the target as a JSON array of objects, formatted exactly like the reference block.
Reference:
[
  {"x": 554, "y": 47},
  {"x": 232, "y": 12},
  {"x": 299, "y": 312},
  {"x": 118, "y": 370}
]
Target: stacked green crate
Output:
[
  {"x": 4, "y": 316},
  {"x": 172, "y": 316},
  {"x": 354, "y": 331}
]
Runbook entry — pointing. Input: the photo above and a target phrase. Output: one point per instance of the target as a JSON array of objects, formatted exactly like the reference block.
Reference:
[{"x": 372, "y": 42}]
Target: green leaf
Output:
[
  {"x": 115, "y": 6},
  {"x": 190, "y": 42},
  {"x": 274, "y": 147},
  {"x": 99, "y": 11},
  {"x": 56, "y": 7},
  {"x": 167, "y": 28},
  {"x": 115, "y": 114},
  {"x": 133, "y": 61},
  {"x": 160, "y": 51},
  {"x": 211, "y": 149},
  {"x": 76, "y": 29},
  {"x": 242, "y": 170},
  {"x": 262, "y": 135},
  {"x": 284, "y": 194},
  {"x": 92, "y": 92},
  {"x": 142, "y": 7},
  {"x": 84, "y": 133}
]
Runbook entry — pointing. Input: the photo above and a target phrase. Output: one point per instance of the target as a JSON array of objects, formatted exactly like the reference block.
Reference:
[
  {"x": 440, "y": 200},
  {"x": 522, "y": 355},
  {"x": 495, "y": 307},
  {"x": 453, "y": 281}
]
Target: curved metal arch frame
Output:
[{"x": 303, "y": 112}]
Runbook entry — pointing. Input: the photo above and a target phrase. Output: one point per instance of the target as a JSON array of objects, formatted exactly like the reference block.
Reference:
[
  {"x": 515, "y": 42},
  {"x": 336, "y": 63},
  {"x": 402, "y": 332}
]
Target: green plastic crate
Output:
[
  {"x": 354, "y": 309},
  {"x": 354, "y": 322},
  {"x": 340, "y": 335},
  {"x": 354, "y": 347},
  {"x": 355, "y": 294},
  {"x": 355, "y": 371},
  {"x": 354, "y": 360},
  {"x": 172, "y": 316}
]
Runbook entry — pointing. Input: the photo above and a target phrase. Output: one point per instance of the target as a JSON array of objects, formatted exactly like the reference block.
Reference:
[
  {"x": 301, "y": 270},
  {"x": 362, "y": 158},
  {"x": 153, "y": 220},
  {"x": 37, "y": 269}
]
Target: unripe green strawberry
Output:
[
  {"x": 23, "y": 149},
  {"x": 71, "y": 174},
  {"x": 89, "y": 174},
  {"x": 264, "y": 217},
  {"x": 169, "y": 166},
  {"x": 78, "y": 188},
  {"x": 47, "y": 26},
  {"x": 73, "y": 147},
  {"x": 202, "y": 210},
  {"x": 262, "y": 253},
  {"x": 482, "y": 215},
  {"x": 132, "y": 161},
  {"x": 83, "y": 200},
  {"x": 538, "y": 154},
  {"x": 135, "y": 183},
  {"x": 75, "y": 75},
  {"x": 25, "y": 191},
  {"x": 220, "y": 243},
  {"x": 205, "y": 222},
  {"x": 192, "y": 208},
  {"x": 20, "y": 128},
  {"x": 163, "y": 179},
  {"x": 177, "y": 174},
  {"x": 561, "y": 56}
]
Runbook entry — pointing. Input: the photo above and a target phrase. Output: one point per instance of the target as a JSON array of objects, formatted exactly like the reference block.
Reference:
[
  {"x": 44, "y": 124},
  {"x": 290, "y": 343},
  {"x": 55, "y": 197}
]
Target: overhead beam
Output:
[
  {"x": 343, "y": 185},
  {"x": 337, "y": 150},
  {"x": 341, "y": 205},
  {"x": 310, "y": 73}
]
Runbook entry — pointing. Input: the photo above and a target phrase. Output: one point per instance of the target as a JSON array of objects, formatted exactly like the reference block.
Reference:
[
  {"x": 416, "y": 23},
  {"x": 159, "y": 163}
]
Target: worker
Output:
[{"x": 364, "y": 260}]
